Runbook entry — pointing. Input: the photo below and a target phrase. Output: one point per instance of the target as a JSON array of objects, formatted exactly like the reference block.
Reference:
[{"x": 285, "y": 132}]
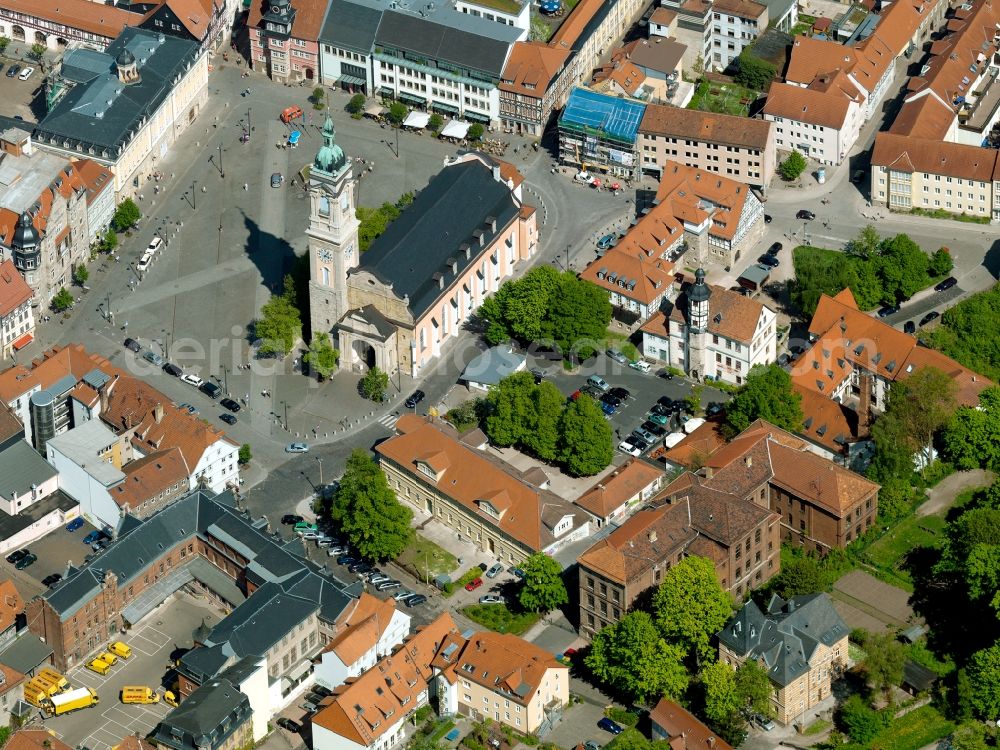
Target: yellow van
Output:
[
  {"x": 108, "y": 657},
  {"x": 139, "y": 694},
  {"x": 52, "y": 676},
  {"x": 120, "y": 649},
  {"x": 35, "y": 695},
  {"x": 39, "y": 683},
  {"x": 170, "y": 698},
  {"x": 99, "y": 665}
]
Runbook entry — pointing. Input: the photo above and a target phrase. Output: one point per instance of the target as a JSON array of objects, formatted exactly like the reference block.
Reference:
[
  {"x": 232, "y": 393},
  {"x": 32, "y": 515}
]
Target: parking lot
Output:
[
  {"x": 153, "y": 642},
  {"x": 17, "y": 95},
  {"x": 56, "y": 550}
]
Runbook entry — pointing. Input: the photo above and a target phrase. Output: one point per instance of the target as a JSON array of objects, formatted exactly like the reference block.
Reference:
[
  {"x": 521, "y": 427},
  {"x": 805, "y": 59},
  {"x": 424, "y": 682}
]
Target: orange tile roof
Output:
[
  {"x": 683, "y": 728},
  {"x": 924, "y": 116},
  {"x": 196, "y": 15},
  {"x": 96, "y": 177},
  {"x": 35, "y": 739},
  {"x": 910, "y": 154},
  {"x": 531, "y": 68},
  {"x": 363, "y": 709},
  {"x": 826, "y": 109},
  {"x": 628, "y": 76},
  {"x": 811, "y": 56},
  {"x": 825, "y": 421},
  {"x": 95, "y": 18},
  {"x": 472, "y": 479},
  {"x": 730, "y": 314},
  {"x": 707, "y": 195},
  {"x": 14, "y": 291},
  {"x": 663, "y": 16},
  {"x": 699, "y": 445},
  {"x": 11, "y": 604},
  {"x": 147, "y": 477},
  {"x": 652, "y": 278},
  {"x": 11, "y": 679},
  {"x": 53, "y": 365},
  {"x": 693, "y": 124},
  {"x": 365, "y": 624},
  {"x": 568, "y": 34},
  {"x": 131, "y": 742},
  {"x": 626, "y": 482}
]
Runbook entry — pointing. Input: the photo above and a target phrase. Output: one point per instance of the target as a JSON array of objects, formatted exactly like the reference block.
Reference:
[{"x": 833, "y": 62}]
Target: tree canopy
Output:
[
  {"x": 279, "y": 325},
  {"x": 883, "y": 663},
  {"x": 971, "y": 439},
  {"x": 753, "y": 72},
  {"x": 63, "y": 300},
  {"x": 321, "y": 357},
  {"x": 126, "y": 215},
  {"x": 633, "y": 658},
  {"x": 793, "y": 166},
  {"x": 374, "y": 384},
  {"x": 367, "y": 511},
  {"x": 766, "y": 394},
  {"x": 967, "y": 333},
  {"x": 691, "y": 607},
  {"x": 543, "y": 589},
  {"x": 585, "y": 438},
  {"x": 984, "y": 676}
]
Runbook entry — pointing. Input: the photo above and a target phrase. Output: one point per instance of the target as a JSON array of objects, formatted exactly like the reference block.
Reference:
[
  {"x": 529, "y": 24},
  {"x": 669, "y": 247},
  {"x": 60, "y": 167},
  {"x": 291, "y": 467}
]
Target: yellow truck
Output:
[
  {"x": 48, "y": 674},
  {"x": 139, "y": 694},
  {"x": 72, "y": 700},
  {"x": 108, "y": 657},
  {"x": 38, "y": 685},
  {"x": 120, "y": 649},
  {"x": 35, "y": 695},
  {"x": 99, "y": 665},
  {"x": 170, "y": 697}
]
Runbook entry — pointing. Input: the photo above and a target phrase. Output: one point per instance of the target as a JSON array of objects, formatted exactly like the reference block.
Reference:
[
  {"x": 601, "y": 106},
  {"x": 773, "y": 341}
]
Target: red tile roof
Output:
[
  {"x": 623, "y": 484},
  {"x": 95, "y": 18},
  {"x": 531, "y": 68},
  {"x": 828, "y": 109},
  {"x": 14, "y": 290}
]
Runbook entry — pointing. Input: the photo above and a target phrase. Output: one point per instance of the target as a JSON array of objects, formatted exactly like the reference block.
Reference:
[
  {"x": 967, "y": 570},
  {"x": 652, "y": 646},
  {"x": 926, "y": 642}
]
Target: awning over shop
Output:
[
  {"x": 416, "y": 120},
  {"x": 351, "y": 80},
  {"x": 22, "y": 341},
  {"x": 386, "y": 91},
  {"x": 449, "y": 109},
  {"x": 412, "y": 98},
  {"x": 477, "y": 117},
  {"x": 374, "y": 109},
  {"x": 300, "y": 670},
  {"x": 455, "y": 129}
]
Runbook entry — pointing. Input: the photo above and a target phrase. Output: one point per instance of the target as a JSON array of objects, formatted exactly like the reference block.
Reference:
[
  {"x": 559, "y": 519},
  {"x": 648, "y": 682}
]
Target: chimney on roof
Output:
[
  {"x": 711, "y": 741},
  {"x": 496, "y": 173},
  {"x": 651, "y": 536},
  {"x": 158, "y": 413},
  {"x": 748, "y": 461}
]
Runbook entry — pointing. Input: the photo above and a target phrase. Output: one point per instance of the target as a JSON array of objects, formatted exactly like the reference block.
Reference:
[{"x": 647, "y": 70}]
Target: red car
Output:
[{"x": 474, "y": 584}]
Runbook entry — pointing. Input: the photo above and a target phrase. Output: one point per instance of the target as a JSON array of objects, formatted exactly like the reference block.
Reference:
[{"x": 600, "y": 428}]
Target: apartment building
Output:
[
  {"x": 429, "y": 466},
  {"x": 371, "y": 628},
  {"x": 679, "y": 728},
  {"x": 284, "y": 38},
  {"x": 56, "y": 26},
  {"x": 216, "y": 716},
  {"x": 599, "y": 132},
  {"x": 590, "y": 31},
  {"x": 514, "y": 13},
  {"x": 500, "y": 677},
  {"x": 622, "y": 492},
  {"x": 17, "y": 322},
  {"x": 740, "y": 148},
  {"x": 801, "y": 643},
  {"x": 712, "y": 332},
  {"x": 636, "y": 286},
  {"x": 532, "y": 86},
  {"x": 735, "y": 24},
  {"x": 823, "y": 123}
]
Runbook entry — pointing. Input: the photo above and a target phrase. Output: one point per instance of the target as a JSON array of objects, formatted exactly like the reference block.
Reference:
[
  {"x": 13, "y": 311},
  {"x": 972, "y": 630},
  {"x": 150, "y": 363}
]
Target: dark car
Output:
[
  {"x": 314, "y": 698},
  {"x": 133, "y": 346},
  {"x": 769, "y": 260},
  {"x": 775, "y": 248},
  {"x": 932, "y": 315},
  {"x": 909, "y": 327},
  {"x": 888, "y": 310},
  {"x": 414, "y": 398},
  {"x": 609, "y": 726},
  {"x": 92, "y": 537},
  {"x": 653, "y": 428},
  {"x": 639, "y": 443},
  {"x": 767, "y": 218},
  {"x": 290, "y": 519},
  {"x": 228, "y": 418},
  {"x": 228, "y": 403},
  {"x": 945, "y": 284},
  {"x": 26, "y": 561},
  {"x": 805, "y": 214},
  {"x": 322, "y": 691},
  {"x": 291, "y": 726},
  {"x": 17, "y": 555},
  {"x": 613, "y": 401},
  {"x": 666, "y": 402},
  {"x": 210, "y": 389},
  {"x": 13, "y": 70},
  {"x": 661, "y": 410},
  {"x": 346, "y": 560},
  {"x": 361, "y": 567},
  {"x": 413, "y": 601},
  {"x": 76, "y": 523},
  {"x": 52, "y": 579},
  {"x": 621, "y": 393},
  {"x": 171, "y": 369}
]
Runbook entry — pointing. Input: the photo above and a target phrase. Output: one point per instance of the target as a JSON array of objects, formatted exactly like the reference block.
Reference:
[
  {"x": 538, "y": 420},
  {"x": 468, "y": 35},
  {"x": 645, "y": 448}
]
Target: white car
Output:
[
  {"x": 626, "y": 447},
  {"x": 192, "y": 380},
  {"x": 26, "y": 73},
  {"x": 640, "y": 365},
  {"x": 491, "y": 599},
  {"x": 154, "y": 245},
  {"x": 144, "y": 262}
]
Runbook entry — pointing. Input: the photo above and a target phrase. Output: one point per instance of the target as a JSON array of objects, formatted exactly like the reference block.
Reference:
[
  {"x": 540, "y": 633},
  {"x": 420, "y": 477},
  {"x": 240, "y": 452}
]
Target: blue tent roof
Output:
[
  {"x": 614, "y": 116},
  {"x": 294, "y": 136}
]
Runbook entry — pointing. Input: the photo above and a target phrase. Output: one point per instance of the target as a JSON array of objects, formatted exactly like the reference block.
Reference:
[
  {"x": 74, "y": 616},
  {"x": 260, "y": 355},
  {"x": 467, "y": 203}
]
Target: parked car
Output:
[
  {"x": 171, "y": 369},
  {"x": 617, "y": 356},
  {"x": 661, "y": 411},
  {"x": 309, "y": 708},
  {"x": 495, "y": 570},
  {"x": 26, "y": 561},
  {"x": 277, "y": 179},
  {"x": 144, "y": 262},
  {"x": 52, "y": 579},
  {"x": 346, "y": 559},
  {"x": 474, "y": 584},
  {"x": 154, "y": 244},
  {"x": 228, "y": 418},
  {"x": 805, "y": 215},
  {"x": 775, "y": 248},
  {"x": 639, "y": 443},
  {"x": 92, "y": 537},
  {"x": 76, "y": 523},
  {"x": 764, "y": 722},
  {"x": 297, "y": 448},
  {"x": 192, "y": 380},
  {"x": 133, "y": 346},
  {"x": 290, "y": 519},
  {"x": 491, "y": 599},
  {"x": 645, "y": 435},
  {"x": 945, "y": 284},
  {"x": 932, "y": 315},
  {"x": 13, "y": 70},
  {"x": 885, "y": 312},
  {"x": 611, "y": 400},
  {"x": 17, "y": 555},
  {"x": 404, "y": 594},
  {"x": 629, "y": 448},
  {"x": 188, "y": 408},
  {"x": 622, "y": 393},
  {"x": 598, "y": 382},
  {"x": 516, "y": 572},
  {"x": 609, "y": 726},
  {"x": 591, "y": 745},
  {"x": 210, "y": 389},
  {"x": 289, "y": 725},
  {"x": 360, "y": 566},
  {"x": 322, "y": 691},
  {"x": 228, "y": 403},
  {"x": 414, "y": 600},
  {"x": 640, "y": 365},
  {"x": 413, "y": 399},
  {"x": 605, "y": 242},
  {"x": 657, "y": 418},
  {"x": 769, "y": 260},
  {"x": 386, "y": 585},
  {"x": 26, "y": 73},
  {"x": 607, "y": 408},
  {"x": 153, "y": 358},
  {"x": 652, "y": 428}
]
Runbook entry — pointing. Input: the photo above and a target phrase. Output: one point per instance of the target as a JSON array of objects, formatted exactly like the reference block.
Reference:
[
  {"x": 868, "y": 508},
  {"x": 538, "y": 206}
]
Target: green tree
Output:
[
  {"x": 903, "y": 267},
  {"x": 62, "y": 301},
  {"x": 318, "y": 97},
  {"x": 766, "y": 394},
  {"x": 81, "y": 274},
  {"x": 36, "y": 52},
  {"x": 110, "y": 241},
  {"x": 279, "y": 325},
  {"x": 475, "y": 132},
  {"x": 541, "y": 435},
  {"x": 753, "y": 687},
  {"x": 356, "y": 104},
  {"x": 941, "y": 262},
  {"x": 799, "y": 575},
  {"x": 126, "y": 215},
  {"x": 722, "y": 699},
  {"x": 540, "y": 30},
  {"x": 246, "y": 456},
  {"x": 397, "y": 113},
  {"x": 322, "y": 357},
  {"x": 691, "y": 607},
  {"x": 984, "y": 677},
  {"x": 972, "y": 553},
  {"x": 508, "y": 409},
  {"x": 585, "y": 438},
  {"x": 522, "y": 306},
  {"x": 631, "y": 657},
  {"x": 883, "y": 664},
  {"x": 753, "y": 72},
  {"x": 968, "y": 333},
  {"x": 543, "y": 589},
  {"x": 4, "y": 41},
  {"x": 859, "y": 720},
  {"x": 435, "y": 123},
  {"x": 692, "y": 402},
  {"x": 972, "y": 438},
  {"x": 918, "y": 407},
  {"x": 578, "y": 316},
  {"x": 374, "y": 384},
  {"x": 971, "y": 736},
  {"x": 793, "y": 166},
  {"x": 367, "y": 511},
  {"x": 866, "y": 244}
]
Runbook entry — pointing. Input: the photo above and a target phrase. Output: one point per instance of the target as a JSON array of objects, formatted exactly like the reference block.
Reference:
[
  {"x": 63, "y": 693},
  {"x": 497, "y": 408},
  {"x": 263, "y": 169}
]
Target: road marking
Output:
[{"x": 388, "y": 421}]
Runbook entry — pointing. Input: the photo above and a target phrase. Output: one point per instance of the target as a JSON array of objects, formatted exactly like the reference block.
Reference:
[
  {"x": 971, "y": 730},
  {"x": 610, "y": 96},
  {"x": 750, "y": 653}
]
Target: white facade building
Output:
[{"x": 821, "y": 125}]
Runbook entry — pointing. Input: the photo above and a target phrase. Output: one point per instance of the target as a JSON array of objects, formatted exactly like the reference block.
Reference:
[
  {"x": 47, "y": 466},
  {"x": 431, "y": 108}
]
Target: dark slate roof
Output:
[
  {"x": 417, "y": 246},
  {"x": 83, "y": 117},
  {"x": 241, "y": 670},
  {"x": 919, "y": 677},
  {"x": 201, "y": 663},
  {"x": 262, "y": 620},
  {"x": 786, "y": 636},
  {"x": 351, "y": 24},
  {"x": 26, "y": 653},
  {"x": 206, "y": 718},
  {"x": 440, "y": 40}
]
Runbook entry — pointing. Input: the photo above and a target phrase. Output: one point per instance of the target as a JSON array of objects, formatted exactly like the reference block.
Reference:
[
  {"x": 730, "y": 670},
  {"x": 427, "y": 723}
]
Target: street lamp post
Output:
[
  {"x": 320, "y": 461},
  {"x": 222, "y": 172},
  {"x": 285, "y": 404},
  {"x": 248, "y": 121},
  {"x": 194, "y": 197},
  {"x": 225, "y": 385}
]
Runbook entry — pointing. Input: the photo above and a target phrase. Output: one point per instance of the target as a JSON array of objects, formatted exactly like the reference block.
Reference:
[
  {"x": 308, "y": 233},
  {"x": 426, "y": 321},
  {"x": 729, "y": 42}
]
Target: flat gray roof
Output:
[
  {"x": 81, "y": 444},
  {"x": 21, "y": 468},
  {"x": 24, "y": 178}
]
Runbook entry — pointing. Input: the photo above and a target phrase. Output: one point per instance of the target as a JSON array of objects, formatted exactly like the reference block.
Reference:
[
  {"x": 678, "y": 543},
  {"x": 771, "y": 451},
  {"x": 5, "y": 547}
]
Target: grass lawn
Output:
[
  {"x": 622, "y": 344},
  {"x": 499, "y": 618},
  {"x": 725, "y": 98},
  {"x": 889, "y": 552},
  {"x": 818, "y": 727},
  {"x": 467, "y": 577},
  {"x": 913, "y": 731},
  {"x": 425, "y": 560}
]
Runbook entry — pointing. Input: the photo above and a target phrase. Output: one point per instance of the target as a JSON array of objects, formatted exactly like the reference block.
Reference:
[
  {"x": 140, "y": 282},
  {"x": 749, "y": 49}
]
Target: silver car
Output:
[{"x": 153, "y": 357}]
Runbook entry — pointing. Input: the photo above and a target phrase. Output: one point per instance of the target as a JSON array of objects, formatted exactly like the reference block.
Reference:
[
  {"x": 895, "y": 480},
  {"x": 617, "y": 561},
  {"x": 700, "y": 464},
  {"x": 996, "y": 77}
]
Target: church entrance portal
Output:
[{"x": 365, "y": 355}]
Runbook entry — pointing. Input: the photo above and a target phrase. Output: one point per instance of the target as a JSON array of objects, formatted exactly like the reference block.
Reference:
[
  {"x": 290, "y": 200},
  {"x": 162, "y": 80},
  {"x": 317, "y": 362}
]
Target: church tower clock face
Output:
[{"x": 325, "y": 255}]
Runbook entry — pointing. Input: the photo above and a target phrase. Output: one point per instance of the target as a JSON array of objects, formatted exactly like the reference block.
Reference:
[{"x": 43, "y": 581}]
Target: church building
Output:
[{"x": 396, "y": 305}]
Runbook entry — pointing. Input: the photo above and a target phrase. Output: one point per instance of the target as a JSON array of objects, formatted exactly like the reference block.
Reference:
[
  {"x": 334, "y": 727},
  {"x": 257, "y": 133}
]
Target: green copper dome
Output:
[{"x": 330, "y": 158}]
